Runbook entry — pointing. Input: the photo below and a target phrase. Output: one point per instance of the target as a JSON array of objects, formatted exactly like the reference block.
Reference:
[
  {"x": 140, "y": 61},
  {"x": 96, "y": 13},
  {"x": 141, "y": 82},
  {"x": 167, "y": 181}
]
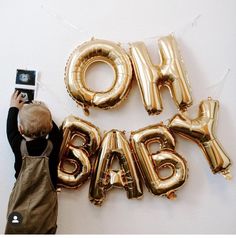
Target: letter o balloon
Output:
[{"x": 98, "y": 51}]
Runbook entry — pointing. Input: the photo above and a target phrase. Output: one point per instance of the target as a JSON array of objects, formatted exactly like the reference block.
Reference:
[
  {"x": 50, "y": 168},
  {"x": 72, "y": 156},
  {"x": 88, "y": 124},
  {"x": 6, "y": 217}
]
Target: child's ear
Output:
[{"x": 20, "y": 128}]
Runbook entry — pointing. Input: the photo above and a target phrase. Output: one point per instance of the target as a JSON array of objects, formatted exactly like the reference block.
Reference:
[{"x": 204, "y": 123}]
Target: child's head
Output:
[{"x": 35, "y": 120}]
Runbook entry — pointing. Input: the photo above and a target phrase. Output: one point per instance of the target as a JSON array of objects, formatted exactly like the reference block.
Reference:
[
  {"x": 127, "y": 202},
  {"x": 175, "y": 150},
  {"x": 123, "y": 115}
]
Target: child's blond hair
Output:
[{"x": 35, "y": 120}]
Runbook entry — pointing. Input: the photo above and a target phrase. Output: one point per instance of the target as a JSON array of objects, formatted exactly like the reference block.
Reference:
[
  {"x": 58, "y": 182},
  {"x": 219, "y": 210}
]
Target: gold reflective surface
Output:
[
  {"x": 202, "y": 131},
  {"x": 169, "y": 73},
  {"x": 114, "y": 146},
  {"x": 75, "y": 160},
  {"x": 98, "y": 51},
  {"x": 150, "y": 164}
]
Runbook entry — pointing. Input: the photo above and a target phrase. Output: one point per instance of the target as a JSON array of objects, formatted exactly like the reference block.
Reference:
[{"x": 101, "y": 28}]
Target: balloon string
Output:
[
  {"x": 217, "y": 88},
  {"x": 193, "y": 23},
  {"x": 64, "y": 21},
  {"x": 188, "y": 26},
  {"x": 185, "y": 28},
  {"x": 220, "y": 85},
  {"x": 182, "y": 30},
  {"x": 44, "y": 87},
  {"x": 88, "y": 34}
]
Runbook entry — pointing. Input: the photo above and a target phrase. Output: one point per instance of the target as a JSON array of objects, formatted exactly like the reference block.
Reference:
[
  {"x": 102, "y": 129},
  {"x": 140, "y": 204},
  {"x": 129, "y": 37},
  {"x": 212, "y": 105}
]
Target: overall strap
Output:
[
  {"x": 46, "y": 152},
  {"x": 48, "y": 149},
  {"x": 23, "y": 148}
]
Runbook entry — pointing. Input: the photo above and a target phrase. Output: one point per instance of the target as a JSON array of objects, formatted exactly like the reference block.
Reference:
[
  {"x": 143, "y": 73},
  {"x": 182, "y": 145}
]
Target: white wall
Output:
[{"x": 42, "y": 34}]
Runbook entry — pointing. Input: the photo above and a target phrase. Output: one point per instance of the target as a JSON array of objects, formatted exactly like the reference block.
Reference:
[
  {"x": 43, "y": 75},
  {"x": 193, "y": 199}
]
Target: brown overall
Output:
[{"x": 33, "y": 197}]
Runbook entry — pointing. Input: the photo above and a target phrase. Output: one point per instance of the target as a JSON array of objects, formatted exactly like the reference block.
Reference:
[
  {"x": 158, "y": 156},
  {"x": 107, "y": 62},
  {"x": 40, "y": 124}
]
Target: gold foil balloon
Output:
[
  {"x": 169, "y": 73},
  {"x": 150, "y": 164},
  {"x": 75, "y": 166},
  {"x": 202, "y": 131},
  {"x": 114, "y": 146},
  {"x": 98, "y": 51}
]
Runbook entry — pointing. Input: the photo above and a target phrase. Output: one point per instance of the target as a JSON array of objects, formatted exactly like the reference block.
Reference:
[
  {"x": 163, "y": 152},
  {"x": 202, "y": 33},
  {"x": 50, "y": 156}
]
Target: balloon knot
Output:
[
  {"x": 171, "y": 195},
  {"x": 227, "y": 174}
]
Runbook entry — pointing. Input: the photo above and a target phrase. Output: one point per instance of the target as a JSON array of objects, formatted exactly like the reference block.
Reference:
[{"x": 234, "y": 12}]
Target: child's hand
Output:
[{"x": 16, "y": 100}]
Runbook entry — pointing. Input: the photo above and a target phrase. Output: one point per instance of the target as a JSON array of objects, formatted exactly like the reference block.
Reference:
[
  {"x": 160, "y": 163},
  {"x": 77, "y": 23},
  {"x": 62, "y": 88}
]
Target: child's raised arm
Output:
[
  {"x": 16, "y": 100},
  {"x": 13, "y": 133}
]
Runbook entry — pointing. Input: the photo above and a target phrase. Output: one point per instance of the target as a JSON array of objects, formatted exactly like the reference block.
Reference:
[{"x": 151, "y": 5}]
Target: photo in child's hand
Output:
[
  {"x": 26, "y": 94},
  {"x": 26, "y": 77},
  {"x": 25, "y": 83}
]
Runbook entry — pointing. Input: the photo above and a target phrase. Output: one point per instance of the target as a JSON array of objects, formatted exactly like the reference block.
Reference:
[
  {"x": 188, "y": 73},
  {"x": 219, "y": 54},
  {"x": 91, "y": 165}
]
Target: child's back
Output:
[{"x": 32, "y": 205}]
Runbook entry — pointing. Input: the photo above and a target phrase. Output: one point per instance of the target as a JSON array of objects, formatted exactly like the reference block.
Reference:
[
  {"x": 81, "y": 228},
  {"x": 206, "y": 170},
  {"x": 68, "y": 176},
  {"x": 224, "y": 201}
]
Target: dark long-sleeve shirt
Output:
[{"x": 35, "y": 147}]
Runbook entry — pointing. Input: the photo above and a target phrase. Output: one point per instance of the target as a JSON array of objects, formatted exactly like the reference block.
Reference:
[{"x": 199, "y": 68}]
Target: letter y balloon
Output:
[{"x": 202, "y": 131}]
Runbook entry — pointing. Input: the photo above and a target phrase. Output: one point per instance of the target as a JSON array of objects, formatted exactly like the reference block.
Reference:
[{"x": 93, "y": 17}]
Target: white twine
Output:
[
  {"x": 58, "y": 100},
  {"x": 218, "y": 87},
  {"x": 64, "y": 21}
]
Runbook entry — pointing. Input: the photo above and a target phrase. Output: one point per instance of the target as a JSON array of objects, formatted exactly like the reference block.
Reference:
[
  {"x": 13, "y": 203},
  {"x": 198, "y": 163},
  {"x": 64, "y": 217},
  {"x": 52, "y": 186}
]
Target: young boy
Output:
[{"x": 35, "y": 142}]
